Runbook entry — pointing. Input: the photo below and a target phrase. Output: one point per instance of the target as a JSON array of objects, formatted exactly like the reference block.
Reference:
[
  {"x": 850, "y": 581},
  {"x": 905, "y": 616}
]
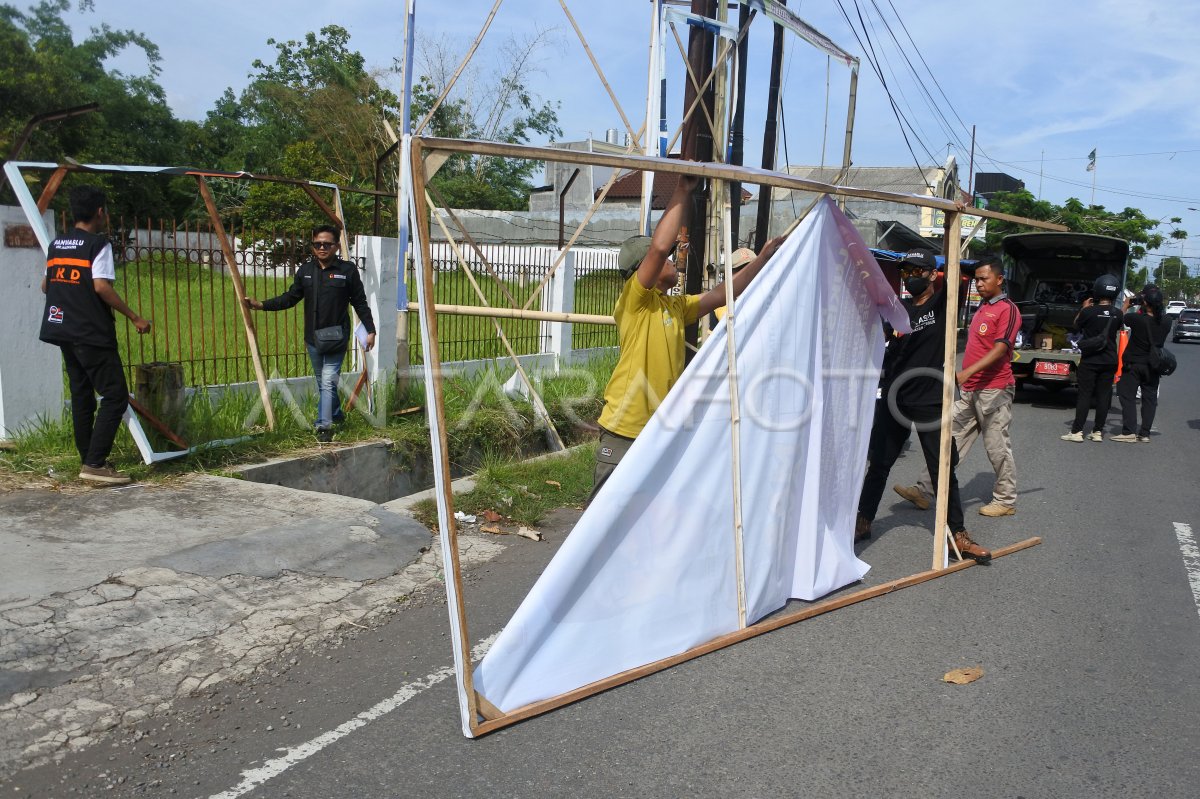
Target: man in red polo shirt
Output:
[{"x": 986, "y": 387}]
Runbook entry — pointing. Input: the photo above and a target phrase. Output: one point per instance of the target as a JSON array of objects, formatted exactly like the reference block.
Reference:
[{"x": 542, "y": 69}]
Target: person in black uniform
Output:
[
  {"x": 1097, "y": 318},
  {"x": 78, "y": 318},
  {"x": 1149, "y": 324},
  {"x": 328, "y": 286},
  {"x": 912, "y": 393}
]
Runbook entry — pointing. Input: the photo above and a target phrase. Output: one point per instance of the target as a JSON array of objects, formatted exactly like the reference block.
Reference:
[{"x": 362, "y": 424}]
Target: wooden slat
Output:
[
  {"x": 441, "y": 447},
  {"x": 51, "y": 189},
  {"x": 949, "y": 365},
  {"x": 325, "y": 209},
  {"x": 764, "y": 626},
  {"x": 518, "y": 313},
  {"x": 746, "y": 174},
  {"x": 486, "y": 709},
  {"x": 239, "y": 291},
  {"x": 156, "y": 423}
]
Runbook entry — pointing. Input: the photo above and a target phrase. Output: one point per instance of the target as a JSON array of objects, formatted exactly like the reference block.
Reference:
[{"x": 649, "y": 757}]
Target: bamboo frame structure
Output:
[{"x": 480, "y": 715}]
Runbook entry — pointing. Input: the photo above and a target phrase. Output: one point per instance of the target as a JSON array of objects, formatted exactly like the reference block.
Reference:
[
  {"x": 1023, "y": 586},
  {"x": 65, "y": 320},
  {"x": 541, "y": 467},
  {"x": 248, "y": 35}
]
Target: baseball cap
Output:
[
  {"x": 741, "y": 257},
  {"x": 633, "y": 250},
  {"x": 918, "y": 260}
]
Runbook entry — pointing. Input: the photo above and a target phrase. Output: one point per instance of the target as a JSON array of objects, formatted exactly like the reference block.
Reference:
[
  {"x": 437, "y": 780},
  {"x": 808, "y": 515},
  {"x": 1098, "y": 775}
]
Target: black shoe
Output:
[
  {"x": 862, "y": 529},
  {"x": 324, "y": 434}
]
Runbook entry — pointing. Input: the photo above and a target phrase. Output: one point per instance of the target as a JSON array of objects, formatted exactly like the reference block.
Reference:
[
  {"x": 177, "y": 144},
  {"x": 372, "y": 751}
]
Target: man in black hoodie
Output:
[
  {"x": 912, "y": 394},
  {"x": 328, "y": 286}
]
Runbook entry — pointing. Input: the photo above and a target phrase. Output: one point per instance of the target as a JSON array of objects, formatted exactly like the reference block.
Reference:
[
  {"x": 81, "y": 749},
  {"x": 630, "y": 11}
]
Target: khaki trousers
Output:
[{"x": 986, "y": 413}]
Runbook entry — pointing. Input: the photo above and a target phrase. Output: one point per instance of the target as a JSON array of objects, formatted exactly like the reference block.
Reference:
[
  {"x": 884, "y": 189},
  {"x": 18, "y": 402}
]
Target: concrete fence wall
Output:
[{"x": 31, "y": 377}]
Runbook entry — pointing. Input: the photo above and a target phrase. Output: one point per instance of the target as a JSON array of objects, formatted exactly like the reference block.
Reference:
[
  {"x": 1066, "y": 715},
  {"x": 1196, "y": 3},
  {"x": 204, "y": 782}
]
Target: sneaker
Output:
[
  {"x": 1143, "y": 439},
  {"x": 324, "y": 434},
  {"x": 1095, "y": 435},
  {"x": 105, "y": 475},
  {"x": 969, "y": 549},
  {"x": 914, "y": 495},
  {"x": 862, "y": 529},
  {"x": 996, "y": 509},
  {"x": 1127, "y": 438},
  {"x": 1072, "y": 436}
]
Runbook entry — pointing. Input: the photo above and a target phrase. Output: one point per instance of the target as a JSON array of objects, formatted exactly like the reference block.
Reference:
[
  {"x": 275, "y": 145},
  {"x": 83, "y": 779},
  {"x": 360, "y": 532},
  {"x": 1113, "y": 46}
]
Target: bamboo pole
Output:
[
  {"x": 538, "y": 406},
  {"x": 487, "y": 23},
  {"x": 949, "y": 367},
  {"x": 746, "y": 174},
  {"x": 654, "y": 90},
  {"x": 695, "y": 82},
  {"x": 239, "y": 291},
  {"x": 520, "y": 313},
  {"x": 735, "y": 415},
  {"x": 596, "y": 65},
  {"x": 436, "y": 417},
  {"x": 849, "y": 126},
  {"x": 767, "y": 625},
  {"x": 512, "y": 301}
]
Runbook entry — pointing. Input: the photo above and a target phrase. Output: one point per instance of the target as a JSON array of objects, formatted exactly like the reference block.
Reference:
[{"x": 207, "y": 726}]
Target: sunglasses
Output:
[{"x": 323, "y": 245}]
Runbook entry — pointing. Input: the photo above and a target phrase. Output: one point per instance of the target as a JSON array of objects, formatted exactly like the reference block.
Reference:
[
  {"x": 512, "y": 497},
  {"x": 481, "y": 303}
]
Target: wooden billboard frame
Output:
[{"x": 480, "y": 715}]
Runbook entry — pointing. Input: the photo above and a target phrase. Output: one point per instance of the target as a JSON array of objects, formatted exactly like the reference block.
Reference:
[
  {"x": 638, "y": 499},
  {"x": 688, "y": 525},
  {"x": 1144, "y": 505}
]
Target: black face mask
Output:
[{"x": 916, "y": 285}]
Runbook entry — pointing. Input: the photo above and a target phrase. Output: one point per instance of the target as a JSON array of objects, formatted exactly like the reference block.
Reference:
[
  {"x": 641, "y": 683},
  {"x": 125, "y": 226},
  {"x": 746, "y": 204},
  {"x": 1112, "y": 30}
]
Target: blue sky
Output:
[{"x": 1037, "y": 79}]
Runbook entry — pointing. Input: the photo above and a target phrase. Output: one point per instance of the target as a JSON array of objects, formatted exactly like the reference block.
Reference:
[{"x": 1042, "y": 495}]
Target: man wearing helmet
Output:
[{"x": 1098, "y": 321}]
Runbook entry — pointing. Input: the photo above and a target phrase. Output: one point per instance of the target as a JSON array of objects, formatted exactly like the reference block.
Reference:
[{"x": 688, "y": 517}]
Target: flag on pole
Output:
[{"x": 1091, "y": 167}]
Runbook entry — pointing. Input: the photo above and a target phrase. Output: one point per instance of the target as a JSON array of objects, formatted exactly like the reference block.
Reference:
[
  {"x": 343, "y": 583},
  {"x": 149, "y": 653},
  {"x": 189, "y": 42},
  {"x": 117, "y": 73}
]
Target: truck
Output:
[{"x": 1048, "y": 276}]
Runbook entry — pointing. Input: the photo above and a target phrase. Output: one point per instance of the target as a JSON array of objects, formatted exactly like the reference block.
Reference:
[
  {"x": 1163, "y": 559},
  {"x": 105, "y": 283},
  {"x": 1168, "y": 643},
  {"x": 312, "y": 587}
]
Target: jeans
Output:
[
  {"x": 327, "y": 368},
  {"x": 92, "y": 371},
  {"x": 888, "y": 436}
]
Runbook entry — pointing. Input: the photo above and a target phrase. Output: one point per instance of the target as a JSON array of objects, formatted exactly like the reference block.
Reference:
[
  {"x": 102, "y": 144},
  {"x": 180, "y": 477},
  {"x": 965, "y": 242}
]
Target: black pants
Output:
[
  {"x": 1133, "y": 377},
  {"x": 1094, "y": 381},
  {"x": 92, "y": 371},
  {"x": 888, "y": 435}
]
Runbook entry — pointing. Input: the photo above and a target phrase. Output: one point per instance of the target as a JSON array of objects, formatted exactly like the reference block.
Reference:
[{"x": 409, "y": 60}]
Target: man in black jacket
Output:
[{"x": 328, "y": 286}]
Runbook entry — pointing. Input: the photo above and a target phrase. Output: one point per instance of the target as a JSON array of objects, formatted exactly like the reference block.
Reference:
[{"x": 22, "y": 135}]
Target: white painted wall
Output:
[
  {"x": 31, "y": 376},
  {"x": 380, "y": 280}
]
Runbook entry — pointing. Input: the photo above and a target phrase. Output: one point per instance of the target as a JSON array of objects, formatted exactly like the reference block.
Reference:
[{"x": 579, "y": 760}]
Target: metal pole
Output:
[
  {"x": 562, "y": 195},
  {"x": 762, "y": 226},
  {"x": 697, "y": 145}
]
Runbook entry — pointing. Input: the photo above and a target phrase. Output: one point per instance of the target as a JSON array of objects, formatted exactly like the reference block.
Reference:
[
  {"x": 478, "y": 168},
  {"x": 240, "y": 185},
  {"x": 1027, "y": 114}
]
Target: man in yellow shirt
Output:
[{"x": 650, "y": 330}]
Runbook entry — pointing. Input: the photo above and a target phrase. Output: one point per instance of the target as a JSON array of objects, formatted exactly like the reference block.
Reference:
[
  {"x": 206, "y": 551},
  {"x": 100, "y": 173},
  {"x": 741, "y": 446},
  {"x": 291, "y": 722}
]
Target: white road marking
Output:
[
  {"x": 1191, "y": 558},
  {"x": 252, "y": 778}
]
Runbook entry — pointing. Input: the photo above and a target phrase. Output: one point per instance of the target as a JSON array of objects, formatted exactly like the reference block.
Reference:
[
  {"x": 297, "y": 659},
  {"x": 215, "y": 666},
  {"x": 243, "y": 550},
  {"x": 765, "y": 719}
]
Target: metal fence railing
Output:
[
  {"x": 520, "y": 270},
  {"x": 175, "y": 274}
]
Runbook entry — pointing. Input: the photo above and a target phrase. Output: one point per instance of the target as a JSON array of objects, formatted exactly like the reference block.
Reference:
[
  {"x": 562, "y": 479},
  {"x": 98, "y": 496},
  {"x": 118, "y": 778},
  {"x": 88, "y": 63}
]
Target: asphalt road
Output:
[{"x": 1089, "y": 645}]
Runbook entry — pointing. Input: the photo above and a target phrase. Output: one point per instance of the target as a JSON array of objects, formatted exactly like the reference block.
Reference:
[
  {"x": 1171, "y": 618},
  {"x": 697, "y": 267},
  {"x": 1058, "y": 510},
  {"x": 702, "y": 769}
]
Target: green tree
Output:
[
  {"x": 42, "y": 68},
  {"x": 1142, "y": 233},
  {"x": 497, "y": 108}
]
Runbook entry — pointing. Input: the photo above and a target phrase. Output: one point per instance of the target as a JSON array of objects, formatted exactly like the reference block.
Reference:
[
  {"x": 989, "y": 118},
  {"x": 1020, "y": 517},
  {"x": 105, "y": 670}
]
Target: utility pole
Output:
[
  {"x": 697, "y": 145},
  {"x": 761, "y": 231}
]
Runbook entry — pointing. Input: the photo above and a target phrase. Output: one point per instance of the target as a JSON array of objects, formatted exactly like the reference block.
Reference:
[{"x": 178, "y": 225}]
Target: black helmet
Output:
[{"x": 1106, "y": 287}]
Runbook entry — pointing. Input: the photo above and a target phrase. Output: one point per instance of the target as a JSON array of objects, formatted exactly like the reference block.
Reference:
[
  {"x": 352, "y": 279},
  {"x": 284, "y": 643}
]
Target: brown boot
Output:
[
  {"x": 970, "y": 549},
  {"x": 862, "y": 529}
]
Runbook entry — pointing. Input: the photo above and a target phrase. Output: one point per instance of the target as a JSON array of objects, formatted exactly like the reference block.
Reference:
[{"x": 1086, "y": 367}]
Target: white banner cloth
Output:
[{"x": 649, "y": 569}]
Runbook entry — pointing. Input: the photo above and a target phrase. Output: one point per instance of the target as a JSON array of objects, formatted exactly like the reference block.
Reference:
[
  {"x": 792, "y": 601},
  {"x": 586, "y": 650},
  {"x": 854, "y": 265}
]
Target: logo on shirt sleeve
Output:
[{"x": 56, "y": 315}]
